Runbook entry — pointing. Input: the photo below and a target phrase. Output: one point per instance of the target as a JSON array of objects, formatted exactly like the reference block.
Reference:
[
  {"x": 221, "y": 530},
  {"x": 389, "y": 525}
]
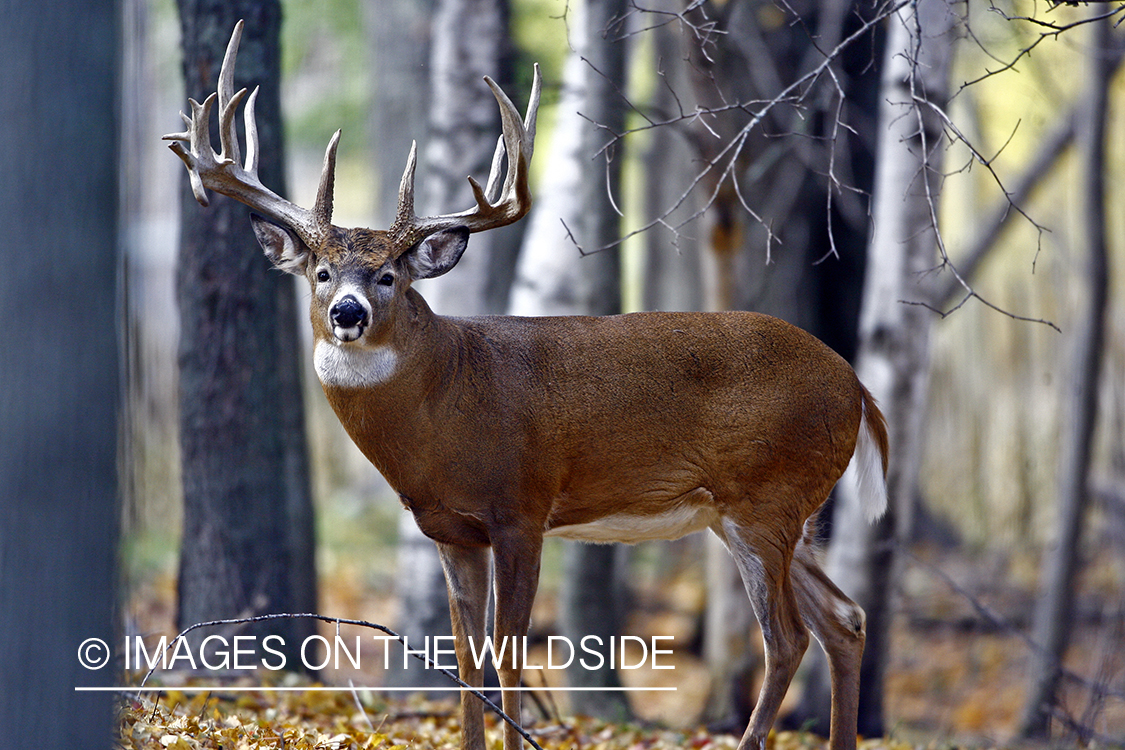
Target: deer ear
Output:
[
  {"x": 283, "y": 248},
  {"x": 437, "y": 253}
]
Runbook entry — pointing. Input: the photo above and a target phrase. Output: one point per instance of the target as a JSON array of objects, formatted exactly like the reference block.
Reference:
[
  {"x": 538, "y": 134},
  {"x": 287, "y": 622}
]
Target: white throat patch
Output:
[{"x": 343, "y": 366}]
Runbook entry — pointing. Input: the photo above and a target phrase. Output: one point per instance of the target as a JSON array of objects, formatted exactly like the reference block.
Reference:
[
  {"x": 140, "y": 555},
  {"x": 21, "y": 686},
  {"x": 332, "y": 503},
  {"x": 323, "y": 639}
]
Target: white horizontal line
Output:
[{"x": 324, "y": 689}]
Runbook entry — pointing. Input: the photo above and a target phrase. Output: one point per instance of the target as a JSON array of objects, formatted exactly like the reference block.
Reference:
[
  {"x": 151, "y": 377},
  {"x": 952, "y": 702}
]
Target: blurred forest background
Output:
[{"x": 788, "y": 230}]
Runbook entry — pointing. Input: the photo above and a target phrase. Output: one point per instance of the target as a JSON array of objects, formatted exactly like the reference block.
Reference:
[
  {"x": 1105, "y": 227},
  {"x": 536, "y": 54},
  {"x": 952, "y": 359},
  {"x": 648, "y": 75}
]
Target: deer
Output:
[{"x": 499, "y": 431}]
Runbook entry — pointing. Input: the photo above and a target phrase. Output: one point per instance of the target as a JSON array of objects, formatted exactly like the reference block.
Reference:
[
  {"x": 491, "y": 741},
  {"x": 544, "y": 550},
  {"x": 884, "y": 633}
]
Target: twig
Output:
[
  {"x": 1051, "y": 147},
  {"x": 360, "y": 706},
  {"x": 1053, "y": 30},
  {"x": 363, "y": 624},
  {"x": 722, "y": 166}
]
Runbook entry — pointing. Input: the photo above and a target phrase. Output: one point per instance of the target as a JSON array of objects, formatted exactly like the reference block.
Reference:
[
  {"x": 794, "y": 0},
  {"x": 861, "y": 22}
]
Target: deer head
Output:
[{"x": 356, "y": 274}]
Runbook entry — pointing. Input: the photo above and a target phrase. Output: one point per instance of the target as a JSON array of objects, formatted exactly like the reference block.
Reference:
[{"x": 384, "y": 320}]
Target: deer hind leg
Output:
[
  {"x": 838, "y": 624},
  {"x": 466, "y": 578},
  {"x": 516, "y": 556},
  {"x": 763, "y": 558}
]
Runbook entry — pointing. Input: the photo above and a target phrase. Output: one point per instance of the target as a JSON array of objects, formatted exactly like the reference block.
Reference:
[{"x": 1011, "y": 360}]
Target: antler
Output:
[
  {"x": 496, "y": 205},
  {"x": 222, "y": 172}
]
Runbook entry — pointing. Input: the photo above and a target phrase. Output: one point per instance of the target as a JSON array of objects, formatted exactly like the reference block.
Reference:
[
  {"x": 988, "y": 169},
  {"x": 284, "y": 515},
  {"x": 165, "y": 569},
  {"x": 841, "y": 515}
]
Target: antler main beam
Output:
[
  {"x": 505, "y": 198},
  {"x": 222, "y": 171},
  {"x": 496, "y": 204}
]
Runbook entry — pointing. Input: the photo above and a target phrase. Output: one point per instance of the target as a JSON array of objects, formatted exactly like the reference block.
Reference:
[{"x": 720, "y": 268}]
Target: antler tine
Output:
[
  {"x": 322, "y": 209},
  {"x": 492, "y": 187},
  {"x": 229, "y": 100},
  {"x": 222, "y": 172},
  {"x": 533, "y": 107},
  {"x": 495, "y": 206},
  {"x": 198, "y": 136},
  {"x": 251, "y": 133},
  {"x": 406, "y": 188},
  {"x": 518, "y": 133}
]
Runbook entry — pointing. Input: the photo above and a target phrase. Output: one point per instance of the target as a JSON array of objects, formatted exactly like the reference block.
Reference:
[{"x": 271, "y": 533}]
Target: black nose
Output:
[{"x": 348, "y": 313}]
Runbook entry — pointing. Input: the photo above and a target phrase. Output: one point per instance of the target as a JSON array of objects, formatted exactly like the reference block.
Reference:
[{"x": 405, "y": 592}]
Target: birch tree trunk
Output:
[
  {"x": 398, "y": 34},
  {"x": 469, "y": 39},
  {"x": 554, "y": 278},
  {"x": 893, "y": 356},
  {"x": 1054, "y": 614}
]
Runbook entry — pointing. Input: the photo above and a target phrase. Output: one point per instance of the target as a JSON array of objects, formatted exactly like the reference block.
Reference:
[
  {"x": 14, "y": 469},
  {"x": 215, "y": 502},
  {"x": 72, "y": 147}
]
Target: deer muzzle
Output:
[{"x": 349, "y": 317}]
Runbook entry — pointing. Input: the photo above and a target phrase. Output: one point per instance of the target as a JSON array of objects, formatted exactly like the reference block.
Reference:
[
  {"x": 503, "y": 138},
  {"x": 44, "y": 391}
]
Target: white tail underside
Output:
[{"x": 866, "y": 469}]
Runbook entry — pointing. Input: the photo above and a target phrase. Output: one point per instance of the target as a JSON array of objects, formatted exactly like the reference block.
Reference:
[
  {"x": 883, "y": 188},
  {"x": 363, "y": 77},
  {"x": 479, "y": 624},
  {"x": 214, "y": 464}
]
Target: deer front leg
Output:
[
  {"x": 516, "y": 553},
  {"x": 466, "y": 578}
]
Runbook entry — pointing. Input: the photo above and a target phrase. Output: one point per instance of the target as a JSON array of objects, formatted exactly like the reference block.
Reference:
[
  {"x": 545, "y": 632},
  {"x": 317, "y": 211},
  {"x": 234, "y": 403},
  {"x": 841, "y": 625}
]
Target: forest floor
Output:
[{"x": 957, "y": 676}]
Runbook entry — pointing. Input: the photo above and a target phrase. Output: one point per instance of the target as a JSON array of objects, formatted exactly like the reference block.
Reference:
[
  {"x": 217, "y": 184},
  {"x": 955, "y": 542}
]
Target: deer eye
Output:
[
  {"x": 322, "y": 275},
  {"x": 386, "y": 280}
]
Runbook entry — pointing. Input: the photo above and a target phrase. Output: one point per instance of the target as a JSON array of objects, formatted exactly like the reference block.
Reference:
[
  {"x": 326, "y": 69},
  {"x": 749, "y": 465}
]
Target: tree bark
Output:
[
  {"x": 592, "y": 594},
  {"x": 469, "y": 39},
  {"x": 1054, "y": 614},
  {"x": 59, "y": 380},
  {"x": 554, "y": 278},
  {"x": 248, "y": 529},
  {"x": 398, "y": 33},
  {"x": 673, "y": 268},
  {"x": 893, "y": 356}
]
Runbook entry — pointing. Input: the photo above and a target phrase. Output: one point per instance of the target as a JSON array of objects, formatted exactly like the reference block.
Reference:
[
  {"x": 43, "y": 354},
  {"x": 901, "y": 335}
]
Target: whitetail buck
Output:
[{"x": 499, "y": 431}]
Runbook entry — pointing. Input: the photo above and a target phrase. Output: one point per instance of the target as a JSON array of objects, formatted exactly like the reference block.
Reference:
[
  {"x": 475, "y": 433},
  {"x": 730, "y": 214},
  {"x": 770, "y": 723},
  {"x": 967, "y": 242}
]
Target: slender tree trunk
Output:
[
  {"x": 1054, "y": 615},
  {"x": 398, "y": 33},
  {"x": 554, "y": 278},
  {"x": 673, "y": 271},
  {"x": 591, "y": 597},
  {"x": 59, "y": 382},
  {"x": 894, "y": 337},
  {"x": 247, "y": 537},
  {"x": 469, "y": 39},
  {"x": 603, "y": 105},
  {"x": 550, "y": 272}
]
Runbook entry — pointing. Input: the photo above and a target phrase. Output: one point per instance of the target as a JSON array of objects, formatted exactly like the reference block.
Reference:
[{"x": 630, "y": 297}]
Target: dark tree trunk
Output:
[
  {"x": 808, "y": 266},
  {"x": 248, "y": 524},
  {"x": 59, "y": 383},
  {"x": 893, "y": 358}
]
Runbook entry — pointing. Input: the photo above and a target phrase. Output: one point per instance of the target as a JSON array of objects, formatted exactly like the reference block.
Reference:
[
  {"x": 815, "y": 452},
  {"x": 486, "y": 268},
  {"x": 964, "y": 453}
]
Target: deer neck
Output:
[{"x": 382, "y": 391}]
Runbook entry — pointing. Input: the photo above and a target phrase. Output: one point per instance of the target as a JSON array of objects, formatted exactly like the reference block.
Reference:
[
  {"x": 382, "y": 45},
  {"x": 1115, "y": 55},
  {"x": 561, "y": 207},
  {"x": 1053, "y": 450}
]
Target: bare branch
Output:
[
  {"x": 1050, "y": 148},
  {"x": 724, "y": 165},
  {"x": 727, "y": 161},
  {"x": 1053, "y": 31}
]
